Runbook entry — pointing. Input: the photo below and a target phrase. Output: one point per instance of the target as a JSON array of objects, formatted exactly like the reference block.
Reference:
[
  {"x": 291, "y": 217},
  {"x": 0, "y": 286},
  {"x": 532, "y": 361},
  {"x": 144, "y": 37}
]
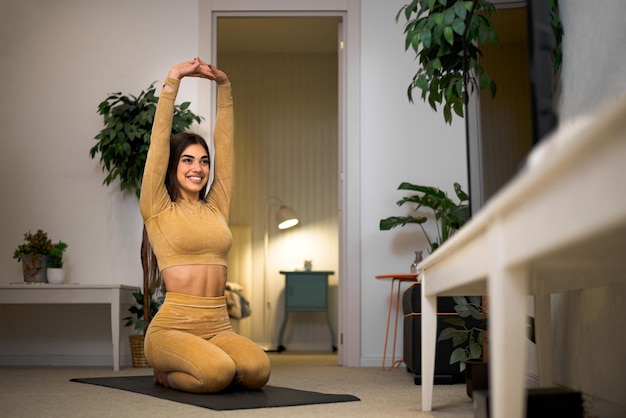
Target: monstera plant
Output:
[{"x": 449, "y": 215}]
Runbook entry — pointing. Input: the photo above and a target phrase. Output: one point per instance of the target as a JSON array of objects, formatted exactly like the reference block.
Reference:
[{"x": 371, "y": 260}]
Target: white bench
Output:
[
  {"x": 559, "y": 226},
  {"x": 115, "y": 295}
]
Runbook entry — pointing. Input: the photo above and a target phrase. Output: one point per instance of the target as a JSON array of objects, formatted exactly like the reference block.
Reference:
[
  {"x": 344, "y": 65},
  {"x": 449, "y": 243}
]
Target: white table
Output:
[
  {"x": 560, "y": 225},
  {"x": 115, "y": 295}
]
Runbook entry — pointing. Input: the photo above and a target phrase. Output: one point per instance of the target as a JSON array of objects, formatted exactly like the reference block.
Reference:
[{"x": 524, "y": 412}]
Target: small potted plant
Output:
[
  {"x": 34, "y": 255},
  {"x": 140, "y": 324},
  {"x": 55, "y": 271},
  {"x": 468, "y": 335}
]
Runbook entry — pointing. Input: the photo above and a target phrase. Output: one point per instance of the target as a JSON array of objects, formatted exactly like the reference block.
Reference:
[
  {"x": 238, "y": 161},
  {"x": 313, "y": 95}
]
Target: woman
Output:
[{"x": 190, "y": 343}]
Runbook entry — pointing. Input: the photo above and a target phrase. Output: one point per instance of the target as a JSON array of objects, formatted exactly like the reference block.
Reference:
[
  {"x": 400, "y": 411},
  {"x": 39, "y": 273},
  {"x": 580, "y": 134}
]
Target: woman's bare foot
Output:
[{"x": 160, "y": 378}]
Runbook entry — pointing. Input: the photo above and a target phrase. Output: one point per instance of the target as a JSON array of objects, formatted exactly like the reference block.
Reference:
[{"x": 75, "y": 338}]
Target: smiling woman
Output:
[
  {"x": 190, "y": 342},
  {"x": 188, "y": 169}
]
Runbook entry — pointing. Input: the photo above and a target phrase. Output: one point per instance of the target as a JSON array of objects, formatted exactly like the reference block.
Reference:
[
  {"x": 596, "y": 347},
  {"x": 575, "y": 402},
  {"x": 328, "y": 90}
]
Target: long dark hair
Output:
[{"x": 178, "y": 144}]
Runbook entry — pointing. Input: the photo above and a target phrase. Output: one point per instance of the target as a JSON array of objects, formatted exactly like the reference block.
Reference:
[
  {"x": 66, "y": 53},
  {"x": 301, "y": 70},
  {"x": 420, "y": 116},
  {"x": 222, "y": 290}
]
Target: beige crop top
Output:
[{"x": 183, "y": 233}]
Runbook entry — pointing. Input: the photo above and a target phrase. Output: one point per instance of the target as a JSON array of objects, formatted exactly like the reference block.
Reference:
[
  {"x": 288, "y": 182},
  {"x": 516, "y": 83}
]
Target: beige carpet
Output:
[{"x": 47, "y": 392}]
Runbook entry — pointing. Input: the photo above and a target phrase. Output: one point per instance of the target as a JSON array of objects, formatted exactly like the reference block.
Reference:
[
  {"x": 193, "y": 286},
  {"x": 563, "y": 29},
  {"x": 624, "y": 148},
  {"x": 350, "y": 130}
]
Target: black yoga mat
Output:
[{"x": 266, "y": 397}]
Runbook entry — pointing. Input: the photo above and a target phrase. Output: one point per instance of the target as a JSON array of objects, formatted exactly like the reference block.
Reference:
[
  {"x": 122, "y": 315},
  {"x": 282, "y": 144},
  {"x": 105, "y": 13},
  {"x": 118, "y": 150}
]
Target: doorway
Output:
[
  {"x": 284, "y": 72},
  {"x": 349, "y": 292}
]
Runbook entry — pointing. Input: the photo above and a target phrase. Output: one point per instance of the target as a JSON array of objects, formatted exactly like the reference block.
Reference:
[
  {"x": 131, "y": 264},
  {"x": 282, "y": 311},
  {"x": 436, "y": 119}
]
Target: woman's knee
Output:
[
  {"x": 253, "y": 370},
  {"x": 209, "y": 377},
  {"x": 191, "y": 363},
  {"x": 253, "y": 364}
]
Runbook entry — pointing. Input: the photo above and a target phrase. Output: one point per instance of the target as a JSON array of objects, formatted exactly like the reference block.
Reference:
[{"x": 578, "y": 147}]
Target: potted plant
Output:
[
  {"x": 123, "y": 146},
  {"x": 446, "y": 36},
  {"x": 55, "y": 270},
  {"x": 449, "y": 215},
  {"x": 34, "y": 255},
  {"x": 468, "y": 330},
  {"x": 468, "y": 334},
  {"x": 139, "y": 323}
]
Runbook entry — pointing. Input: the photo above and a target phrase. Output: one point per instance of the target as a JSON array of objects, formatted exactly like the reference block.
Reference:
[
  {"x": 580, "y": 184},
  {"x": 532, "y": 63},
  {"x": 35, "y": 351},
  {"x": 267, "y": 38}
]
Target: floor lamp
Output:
[{"x": 285, "y": 218}]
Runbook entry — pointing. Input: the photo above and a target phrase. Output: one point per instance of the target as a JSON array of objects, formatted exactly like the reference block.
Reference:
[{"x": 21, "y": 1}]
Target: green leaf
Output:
[
  {"x": 447, "y": 115},
  {"x": 438, "y": 18},
  {"x": 475, "y": 351},
  {"x": 458, "y": 107},
  {"x": 460, "y": 10},
  {"x": 448, "y": 34},
  {"x": 426, "y": 38},
  {"x": 394, "y": 221},
  {"x": 422, "y": 82},
  {"x": 455, "y": 321},
  {"x": 448, "y": 16},
  {"x": 458, "y": 26},
  {"x": 458, "y": 355}
]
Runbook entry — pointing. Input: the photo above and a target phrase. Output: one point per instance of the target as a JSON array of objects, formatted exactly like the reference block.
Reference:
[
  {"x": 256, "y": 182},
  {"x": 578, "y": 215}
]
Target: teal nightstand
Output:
[{"x": 306, "y": 291}]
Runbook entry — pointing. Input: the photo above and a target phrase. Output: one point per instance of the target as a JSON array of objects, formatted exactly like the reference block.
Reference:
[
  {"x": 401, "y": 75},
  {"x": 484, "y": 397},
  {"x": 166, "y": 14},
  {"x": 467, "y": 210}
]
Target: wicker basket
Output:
[{"x": 136, "y": 351}]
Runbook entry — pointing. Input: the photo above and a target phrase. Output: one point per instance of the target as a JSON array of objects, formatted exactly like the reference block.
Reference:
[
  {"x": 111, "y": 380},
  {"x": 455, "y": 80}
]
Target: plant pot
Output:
[
  {"x": 55, "y": 275},
  {"x": 136, "y": 351},
  {"x": 34, "y": 268},
  {"x": 476, "y": 376}
]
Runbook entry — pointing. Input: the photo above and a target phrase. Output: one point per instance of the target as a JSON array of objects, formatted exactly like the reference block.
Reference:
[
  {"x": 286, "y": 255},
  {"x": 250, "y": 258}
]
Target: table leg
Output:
[
  {"x": 507, "y": 290},
  {"x": 429, "y": 342},
  {"x": 388, "y": 321},
  {"x": 115, "y": 326},
  {"x": 395, "y": 362},
  {"x": 543, "y": 338},
  {"x": 332, "y": 333}
]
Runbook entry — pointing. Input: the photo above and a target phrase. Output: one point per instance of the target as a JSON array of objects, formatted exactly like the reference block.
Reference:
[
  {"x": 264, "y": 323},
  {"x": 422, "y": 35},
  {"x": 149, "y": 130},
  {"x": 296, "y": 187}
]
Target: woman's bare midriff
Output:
[{"x": 205, "y": 280}]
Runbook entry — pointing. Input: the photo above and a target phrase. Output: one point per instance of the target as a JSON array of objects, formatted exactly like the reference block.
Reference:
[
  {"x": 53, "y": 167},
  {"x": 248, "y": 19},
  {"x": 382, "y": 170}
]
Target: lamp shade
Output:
[{"x": 286, "y": 217}]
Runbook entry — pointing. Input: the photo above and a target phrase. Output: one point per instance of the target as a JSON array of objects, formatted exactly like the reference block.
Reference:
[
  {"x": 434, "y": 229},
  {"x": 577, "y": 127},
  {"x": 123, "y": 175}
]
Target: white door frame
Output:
[{"x": 349, "y": 321}]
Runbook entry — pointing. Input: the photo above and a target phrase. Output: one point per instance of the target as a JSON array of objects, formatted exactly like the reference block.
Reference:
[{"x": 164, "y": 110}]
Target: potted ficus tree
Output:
[
  {"x": 446, "y": 36},
  {"x": 123, "y": 146}
]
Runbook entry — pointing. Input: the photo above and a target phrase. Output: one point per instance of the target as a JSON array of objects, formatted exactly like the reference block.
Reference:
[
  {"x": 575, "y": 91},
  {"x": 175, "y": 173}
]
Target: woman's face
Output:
[{"x": 192, "y": 172}]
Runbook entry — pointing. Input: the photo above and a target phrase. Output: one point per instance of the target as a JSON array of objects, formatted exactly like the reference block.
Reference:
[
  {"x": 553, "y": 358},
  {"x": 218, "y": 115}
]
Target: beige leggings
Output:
[{"x": 191, "y": 339}]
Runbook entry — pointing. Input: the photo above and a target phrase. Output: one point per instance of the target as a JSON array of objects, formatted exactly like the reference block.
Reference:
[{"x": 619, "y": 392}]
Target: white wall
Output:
[
  {"x": 593, "y": 60},
  {"x": 589, "y": 336},
  {"x": 60, "y": 59},
  {"x": 400, "y": 142}
]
